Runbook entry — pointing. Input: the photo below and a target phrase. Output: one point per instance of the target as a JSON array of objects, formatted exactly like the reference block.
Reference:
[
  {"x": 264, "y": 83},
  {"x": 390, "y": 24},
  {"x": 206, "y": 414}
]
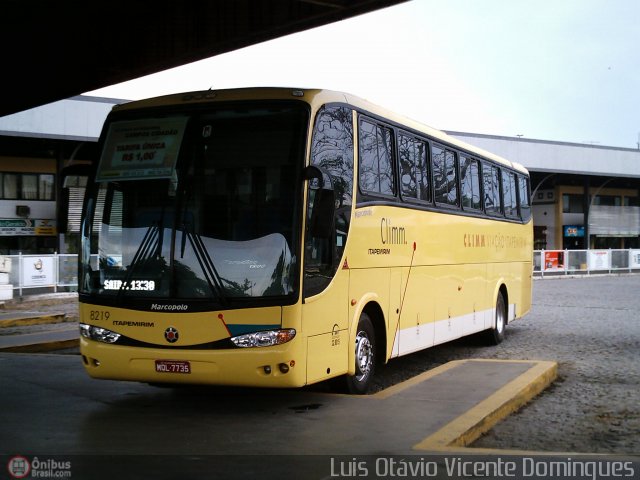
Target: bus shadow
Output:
[
  {"x": 178, "y": 420},
  {"x": 181, "y": 420}
]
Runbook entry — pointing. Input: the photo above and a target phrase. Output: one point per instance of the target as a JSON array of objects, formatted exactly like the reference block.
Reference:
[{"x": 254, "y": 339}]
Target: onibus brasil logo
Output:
[{"x": 21, "y": 467}]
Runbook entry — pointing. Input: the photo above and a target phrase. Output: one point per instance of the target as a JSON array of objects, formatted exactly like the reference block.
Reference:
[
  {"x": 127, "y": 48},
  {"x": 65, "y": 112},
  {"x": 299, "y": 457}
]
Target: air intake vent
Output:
[{"x": 23, "y": 210}]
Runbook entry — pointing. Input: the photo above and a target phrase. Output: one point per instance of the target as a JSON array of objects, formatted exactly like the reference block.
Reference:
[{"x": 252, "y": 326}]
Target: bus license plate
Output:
[{"x": 173, "y": 366}]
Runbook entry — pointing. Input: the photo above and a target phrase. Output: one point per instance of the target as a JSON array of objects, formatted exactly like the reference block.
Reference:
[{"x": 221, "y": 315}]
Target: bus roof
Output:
[{"x": 315, "y": 97}]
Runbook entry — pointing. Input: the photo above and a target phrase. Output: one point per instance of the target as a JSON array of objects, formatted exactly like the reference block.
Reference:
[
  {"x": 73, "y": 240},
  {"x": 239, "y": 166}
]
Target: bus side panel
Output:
[
  {"x": 474, "y": 297},
  {"x": 519, "y": 289},
  {"x": 525, "y": 297},
  {"x": 416, "y": 329},
  {"x": 374, "y": 282},
  {"x": 397, "y": 282},
  {"x": 460, "y": 307},
  {"x": 516, "y": 277}
]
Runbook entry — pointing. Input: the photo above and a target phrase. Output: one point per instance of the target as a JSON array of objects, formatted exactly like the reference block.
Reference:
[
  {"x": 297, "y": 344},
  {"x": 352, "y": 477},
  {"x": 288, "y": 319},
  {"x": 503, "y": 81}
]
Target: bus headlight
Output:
[
  {"x": 98, "y": 334},
  {"x": 267, "y": 338}
]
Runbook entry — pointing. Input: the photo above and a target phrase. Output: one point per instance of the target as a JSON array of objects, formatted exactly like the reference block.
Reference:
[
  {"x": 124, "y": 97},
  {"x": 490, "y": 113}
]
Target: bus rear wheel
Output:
[
  {"x": 496, "y": 334},
  {"x": 365, "y": 346}
]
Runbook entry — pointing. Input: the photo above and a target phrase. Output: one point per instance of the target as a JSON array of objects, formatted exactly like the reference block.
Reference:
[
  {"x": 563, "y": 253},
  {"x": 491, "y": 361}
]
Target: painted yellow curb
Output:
[
  {"x": 43, "y": 347},
  {"x": 35, "y": 320},
  {"x": 478, "y": 420}
]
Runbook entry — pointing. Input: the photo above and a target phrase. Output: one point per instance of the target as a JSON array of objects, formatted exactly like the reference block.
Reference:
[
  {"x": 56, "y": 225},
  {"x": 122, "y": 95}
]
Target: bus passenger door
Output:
[
  {"x": 325, "y": 325},
  {"x": 326, "y": 280},
  {"x": 325, "y": 308}
]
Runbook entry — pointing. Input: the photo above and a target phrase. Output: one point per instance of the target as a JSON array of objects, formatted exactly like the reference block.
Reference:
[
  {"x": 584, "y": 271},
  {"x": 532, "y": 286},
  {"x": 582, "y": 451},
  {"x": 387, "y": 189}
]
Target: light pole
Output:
[
  {"x": 533, "y": 194},
  {"x": 593, "y": 197}
]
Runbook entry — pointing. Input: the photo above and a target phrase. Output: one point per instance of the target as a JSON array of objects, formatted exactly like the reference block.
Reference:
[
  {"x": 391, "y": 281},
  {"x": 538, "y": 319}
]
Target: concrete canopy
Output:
[{"x": 55, "y": 50}]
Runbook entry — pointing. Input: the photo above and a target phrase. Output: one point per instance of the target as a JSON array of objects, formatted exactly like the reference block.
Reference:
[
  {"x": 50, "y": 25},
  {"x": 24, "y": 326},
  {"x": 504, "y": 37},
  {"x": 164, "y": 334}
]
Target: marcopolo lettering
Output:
[{"x": 169, "y": 308}]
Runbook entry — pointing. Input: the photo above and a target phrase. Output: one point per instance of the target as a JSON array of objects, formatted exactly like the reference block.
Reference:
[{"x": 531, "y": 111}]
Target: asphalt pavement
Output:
[
  {"x": 449, "y": 406},
  {"x": 39, "y": 323},
  {"x": 440, "y": 411}
]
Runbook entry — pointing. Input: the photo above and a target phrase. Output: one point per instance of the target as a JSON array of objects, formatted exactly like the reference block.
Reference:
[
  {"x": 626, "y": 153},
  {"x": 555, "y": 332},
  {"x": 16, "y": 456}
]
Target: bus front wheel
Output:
[
  {"x": 365, "y": 357},
  {"x": 496, "y": 334}
]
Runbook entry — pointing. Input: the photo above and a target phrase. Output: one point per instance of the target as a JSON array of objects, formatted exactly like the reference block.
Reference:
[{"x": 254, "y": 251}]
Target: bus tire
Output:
[
  {"x": 365, "y": 346},
  {"x": 496, "y": 334}
]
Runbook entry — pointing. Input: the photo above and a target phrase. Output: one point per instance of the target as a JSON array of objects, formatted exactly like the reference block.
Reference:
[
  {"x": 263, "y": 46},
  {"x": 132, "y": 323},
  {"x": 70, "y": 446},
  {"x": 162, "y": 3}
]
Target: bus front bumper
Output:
[{"x": 273, "y": 367}]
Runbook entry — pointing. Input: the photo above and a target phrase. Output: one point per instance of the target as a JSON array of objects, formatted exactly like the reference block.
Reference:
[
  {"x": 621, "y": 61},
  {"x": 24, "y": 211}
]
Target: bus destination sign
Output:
[{"x": 141, "y": 149}]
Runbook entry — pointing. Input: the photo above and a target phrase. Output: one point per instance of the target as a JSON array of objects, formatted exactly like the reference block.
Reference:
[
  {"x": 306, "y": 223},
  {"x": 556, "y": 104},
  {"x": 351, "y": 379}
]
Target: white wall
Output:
[{"x": 559, "y": 157}]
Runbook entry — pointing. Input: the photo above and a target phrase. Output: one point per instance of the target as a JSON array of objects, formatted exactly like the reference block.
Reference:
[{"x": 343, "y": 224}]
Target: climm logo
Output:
[
  {"x": 497, "y": 241},
  {"x": 474, "y": 240},
  {"x": 392, "y": 235}
]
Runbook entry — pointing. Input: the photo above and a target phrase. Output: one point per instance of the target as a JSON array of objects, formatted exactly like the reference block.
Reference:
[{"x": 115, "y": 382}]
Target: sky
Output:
[{"x": 562, "y": 70}]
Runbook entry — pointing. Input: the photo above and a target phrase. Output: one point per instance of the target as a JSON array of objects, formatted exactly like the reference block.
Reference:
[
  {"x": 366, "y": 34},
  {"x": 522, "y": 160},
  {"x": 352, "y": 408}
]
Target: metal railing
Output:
[
  {"x": 49, "y": 272},
  {"x": 57, "y": 271},
  {"x": 585, "y": 262}
]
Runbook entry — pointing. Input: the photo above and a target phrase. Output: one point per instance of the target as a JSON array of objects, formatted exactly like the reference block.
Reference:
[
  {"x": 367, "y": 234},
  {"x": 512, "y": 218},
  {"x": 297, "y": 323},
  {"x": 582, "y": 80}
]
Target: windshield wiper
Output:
[
  {"x": 206, "y": 264},
  {"x": 150, "y": 247}
]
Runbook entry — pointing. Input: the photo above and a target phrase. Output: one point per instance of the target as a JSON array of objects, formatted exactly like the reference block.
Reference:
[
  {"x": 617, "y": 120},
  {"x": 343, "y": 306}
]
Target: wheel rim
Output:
[{"x": 364, "y": 355}]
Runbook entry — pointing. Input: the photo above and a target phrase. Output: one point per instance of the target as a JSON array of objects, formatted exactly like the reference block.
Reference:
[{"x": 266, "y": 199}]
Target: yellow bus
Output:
[{"x": 277, "y": 238}]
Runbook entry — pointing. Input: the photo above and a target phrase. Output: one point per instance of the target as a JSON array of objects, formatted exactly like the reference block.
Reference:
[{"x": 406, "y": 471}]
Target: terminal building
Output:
[
  {"x": 584, "y": 196},
  {"x": 34, "y": 146}
]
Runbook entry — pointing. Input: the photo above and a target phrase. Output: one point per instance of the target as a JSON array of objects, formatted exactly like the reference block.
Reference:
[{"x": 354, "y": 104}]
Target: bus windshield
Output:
[{"x": 214, "y": 223}]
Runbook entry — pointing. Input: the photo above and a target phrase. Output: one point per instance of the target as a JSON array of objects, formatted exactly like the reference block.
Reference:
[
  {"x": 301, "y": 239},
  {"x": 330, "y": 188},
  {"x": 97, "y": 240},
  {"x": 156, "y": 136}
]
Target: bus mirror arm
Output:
[
  {"x": 314, "y": 172},
  {"x": 322, "y": 220},
  {"x": 323, "y": 215}
]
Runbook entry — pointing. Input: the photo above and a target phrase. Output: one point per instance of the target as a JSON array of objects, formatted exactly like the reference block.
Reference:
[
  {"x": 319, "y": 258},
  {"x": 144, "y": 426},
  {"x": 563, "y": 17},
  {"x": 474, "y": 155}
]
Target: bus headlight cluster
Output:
[
  {"x": 267, "y": 338},
  {"x": 98, "y": 334}
]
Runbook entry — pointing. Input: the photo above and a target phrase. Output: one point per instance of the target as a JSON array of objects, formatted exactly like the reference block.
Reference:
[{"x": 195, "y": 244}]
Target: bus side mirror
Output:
[
  {"x": 71, "y": 176},
  {"x": 322, "y": 202}
]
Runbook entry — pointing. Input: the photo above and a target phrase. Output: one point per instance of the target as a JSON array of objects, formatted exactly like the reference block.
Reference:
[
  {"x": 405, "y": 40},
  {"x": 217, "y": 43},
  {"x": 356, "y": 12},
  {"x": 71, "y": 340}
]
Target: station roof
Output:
[
  {"x": 80, "y": 118},
  {"x": 57, "y": 50},
  {"x": 560, "y": 157}
]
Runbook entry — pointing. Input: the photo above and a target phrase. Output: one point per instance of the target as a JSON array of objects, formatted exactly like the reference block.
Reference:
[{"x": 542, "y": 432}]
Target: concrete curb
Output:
[
  {"x": 66, "y": 336},
  {"x": 43, "y": 347},
  {"x": 468, "y": 427},
  {"x": 27, "y": 319}
]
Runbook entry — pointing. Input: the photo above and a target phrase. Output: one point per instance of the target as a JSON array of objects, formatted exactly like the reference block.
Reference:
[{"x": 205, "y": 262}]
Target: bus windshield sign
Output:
[{"x": 141, "y": 149}]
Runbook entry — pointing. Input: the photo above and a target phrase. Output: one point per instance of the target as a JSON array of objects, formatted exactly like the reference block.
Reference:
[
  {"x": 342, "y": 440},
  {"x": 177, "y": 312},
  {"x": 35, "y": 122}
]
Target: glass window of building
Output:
[{"x": 572, "y": 203}]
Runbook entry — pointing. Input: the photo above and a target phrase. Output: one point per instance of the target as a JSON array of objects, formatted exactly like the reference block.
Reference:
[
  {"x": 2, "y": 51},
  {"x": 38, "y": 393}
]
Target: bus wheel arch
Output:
[
  {"x": 376, "y": 316},
  {"x": 495, "y": 334},
  {"x": 505, "y": 296},
  {"x": 367, "y": 348}
]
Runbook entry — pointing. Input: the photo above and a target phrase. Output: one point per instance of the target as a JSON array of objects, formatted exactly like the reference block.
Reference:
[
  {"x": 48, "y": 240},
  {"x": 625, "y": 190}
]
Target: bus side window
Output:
[
  {"x": 414, "y": 171},
  {"x": 509, "y": 194},
  {"x": 492, "y": 196},
  {"x": 523, "y": 198},
  {"x": 470, "y": 175},
  {"x": 445, "y": 175},
  {"x": 376, "y": 159}
]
